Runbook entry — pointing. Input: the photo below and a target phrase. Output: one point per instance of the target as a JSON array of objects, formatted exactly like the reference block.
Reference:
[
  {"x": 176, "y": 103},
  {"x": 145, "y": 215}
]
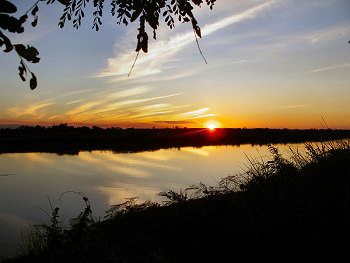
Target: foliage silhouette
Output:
[
  {"x": 146, "y": 13},
  {"x": 14, "y": 25},
  {"x": 53, "y": 236}
]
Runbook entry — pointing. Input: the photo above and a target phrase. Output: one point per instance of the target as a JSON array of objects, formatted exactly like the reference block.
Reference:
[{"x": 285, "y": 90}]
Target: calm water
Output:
[{"x": 106, "y": 178}]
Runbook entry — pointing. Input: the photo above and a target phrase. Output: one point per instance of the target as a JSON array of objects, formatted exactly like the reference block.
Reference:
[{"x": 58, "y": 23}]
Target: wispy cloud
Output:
[
  {"x": 95, "y": 109},
  {"x": 133, "y": 104},
  {"x": 33, "y": 36},
  {"x": 330, "y": 68},
  {"x": 75, "y": 92},
  {"x": 248, "y": 14},
  {"x": 175, "y": 122},
  {"x": 295, "y": 106},
  {"x": 32, "y": 110},
  {"x": 121, "y": 106},
  {"x": 201, "y": 113},
  {"x": 104, "y": 101},
  {"x": 195, "y": 113},
  {"x": 74, "y": 101},
  {"x": 204, "y": 116},
  {"x": 162, "y": 51},
  {"x": 328, "y": 34}
]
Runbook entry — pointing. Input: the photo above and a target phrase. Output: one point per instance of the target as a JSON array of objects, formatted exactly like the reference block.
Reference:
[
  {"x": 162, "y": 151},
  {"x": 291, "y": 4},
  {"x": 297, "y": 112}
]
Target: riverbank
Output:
[
  {"x": 65, "y": 139},
  {"x": 286, "y": 211}
]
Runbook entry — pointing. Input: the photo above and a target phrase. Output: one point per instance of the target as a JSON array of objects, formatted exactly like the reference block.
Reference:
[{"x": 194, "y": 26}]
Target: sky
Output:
[{"x": 271, "y": 64}]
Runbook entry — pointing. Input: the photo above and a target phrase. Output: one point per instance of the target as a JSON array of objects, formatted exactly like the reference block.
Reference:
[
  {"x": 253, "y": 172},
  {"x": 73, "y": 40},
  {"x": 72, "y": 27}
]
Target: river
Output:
[{"x": 30, "y": 183}]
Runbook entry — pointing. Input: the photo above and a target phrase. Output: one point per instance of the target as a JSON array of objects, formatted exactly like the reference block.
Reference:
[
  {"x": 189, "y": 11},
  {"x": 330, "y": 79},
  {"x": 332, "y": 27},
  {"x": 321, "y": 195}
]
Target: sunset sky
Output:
[{"x": 275, "y": 64}]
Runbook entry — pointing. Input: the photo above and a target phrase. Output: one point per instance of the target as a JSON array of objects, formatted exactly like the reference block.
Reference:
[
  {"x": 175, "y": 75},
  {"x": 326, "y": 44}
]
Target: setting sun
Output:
[{"x": 211, "y": 126}]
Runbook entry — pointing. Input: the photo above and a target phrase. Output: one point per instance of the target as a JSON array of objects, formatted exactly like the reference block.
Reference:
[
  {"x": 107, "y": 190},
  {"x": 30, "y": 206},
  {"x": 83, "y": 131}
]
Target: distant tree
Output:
[{"x": 145, "y": 12}]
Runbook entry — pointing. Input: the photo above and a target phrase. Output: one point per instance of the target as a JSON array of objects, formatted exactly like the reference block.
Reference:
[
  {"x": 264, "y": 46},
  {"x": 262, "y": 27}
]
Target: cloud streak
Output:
[
  {"x": 295, "y": 106},
  {"x": 35, "y": 111},
  {"x": 328, "y": 34},
  {"x": 197, "y": 114},
  {"x": 330, "y": 68},
  {"x": 176, "y": 122},
  {"x": 161, "y": 51}
]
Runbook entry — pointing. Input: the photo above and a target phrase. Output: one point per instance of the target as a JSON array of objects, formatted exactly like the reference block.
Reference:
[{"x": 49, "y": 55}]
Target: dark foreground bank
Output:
[
  {"x": 65, "y": 139},
  {"x": 287, "y": 211}
]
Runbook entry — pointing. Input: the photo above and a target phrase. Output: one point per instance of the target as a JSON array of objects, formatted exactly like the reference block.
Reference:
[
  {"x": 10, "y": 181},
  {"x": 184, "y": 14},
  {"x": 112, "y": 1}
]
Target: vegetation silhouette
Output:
[
  {"x": 284, "y": 211},
  {"x": 65, "y": 139},
  {"x": 146, "y": 13}
]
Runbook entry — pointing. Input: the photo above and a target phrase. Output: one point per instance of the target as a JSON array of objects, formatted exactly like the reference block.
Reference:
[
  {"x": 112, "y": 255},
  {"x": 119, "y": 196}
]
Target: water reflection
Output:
[
  {"x": 106, "y": 178},
  {"x": 117, "y": 194},
  {"x": 197, "y": 151}
]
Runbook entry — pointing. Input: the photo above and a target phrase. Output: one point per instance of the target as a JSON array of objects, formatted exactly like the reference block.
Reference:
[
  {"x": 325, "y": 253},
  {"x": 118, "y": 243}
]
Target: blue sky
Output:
[{"x": 276, "y": 64}]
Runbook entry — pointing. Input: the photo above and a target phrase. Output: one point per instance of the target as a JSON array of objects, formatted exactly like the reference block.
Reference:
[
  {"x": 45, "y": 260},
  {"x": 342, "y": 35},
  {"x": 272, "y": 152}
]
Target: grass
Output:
[{"x": 279, "y": 210}]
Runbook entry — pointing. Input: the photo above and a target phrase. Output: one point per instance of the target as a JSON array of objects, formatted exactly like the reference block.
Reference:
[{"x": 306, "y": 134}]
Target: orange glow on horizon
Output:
[{"x": 275, "y": 122}]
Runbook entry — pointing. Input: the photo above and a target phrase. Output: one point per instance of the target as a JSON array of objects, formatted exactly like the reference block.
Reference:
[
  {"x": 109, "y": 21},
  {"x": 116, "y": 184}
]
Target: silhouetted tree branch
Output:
[
  {"x": 14, "y": 25},
  {"x": 145, "y": 12}
]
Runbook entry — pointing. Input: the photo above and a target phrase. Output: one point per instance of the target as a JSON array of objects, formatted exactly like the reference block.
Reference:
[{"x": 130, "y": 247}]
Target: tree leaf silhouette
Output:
[
  {"x": 5, "y": 41},
  {"x": 35, "y": 22},
  {"x": 63, "y": 2},
  {"x": 33, "y": 82},
  {"x": 22, "y": 70},
  {"x": 11, "y": 23},
  {"x": 35, "y": 10},
  {"x": 7, "y": 7},
  {"x": 29, "y": 53}
]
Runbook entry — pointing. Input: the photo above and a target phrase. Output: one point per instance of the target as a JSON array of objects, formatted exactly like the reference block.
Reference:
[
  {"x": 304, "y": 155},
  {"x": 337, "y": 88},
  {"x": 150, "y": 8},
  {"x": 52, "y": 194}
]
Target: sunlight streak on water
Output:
[{"x": 197, "y": 151}]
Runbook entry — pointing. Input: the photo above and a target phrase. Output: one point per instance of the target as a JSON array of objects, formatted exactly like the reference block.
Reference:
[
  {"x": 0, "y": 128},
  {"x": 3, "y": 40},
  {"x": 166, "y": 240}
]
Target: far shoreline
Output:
[{"x": 65, "y": 139}]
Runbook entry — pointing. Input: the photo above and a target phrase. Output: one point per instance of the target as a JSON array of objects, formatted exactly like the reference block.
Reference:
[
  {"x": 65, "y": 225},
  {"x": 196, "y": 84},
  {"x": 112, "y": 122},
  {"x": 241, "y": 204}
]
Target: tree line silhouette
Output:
[{"x": 66, "y": 139}]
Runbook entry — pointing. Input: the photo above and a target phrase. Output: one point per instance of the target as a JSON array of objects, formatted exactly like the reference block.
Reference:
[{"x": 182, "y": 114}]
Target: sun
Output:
[{"x": 211, "y": 126}]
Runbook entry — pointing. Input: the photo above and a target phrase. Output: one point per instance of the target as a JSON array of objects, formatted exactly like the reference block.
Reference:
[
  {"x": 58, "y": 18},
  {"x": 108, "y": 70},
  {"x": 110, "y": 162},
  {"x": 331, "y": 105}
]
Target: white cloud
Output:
[
  {"x": 162, "y": 51},
  {"x": 328, "y": 34},
  {"x": 197, "y": 114}
]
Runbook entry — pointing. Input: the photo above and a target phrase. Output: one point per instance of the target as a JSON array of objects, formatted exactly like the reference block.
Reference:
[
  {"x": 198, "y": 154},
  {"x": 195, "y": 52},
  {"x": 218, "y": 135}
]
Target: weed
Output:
[{"x": 128, "y": 206}]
